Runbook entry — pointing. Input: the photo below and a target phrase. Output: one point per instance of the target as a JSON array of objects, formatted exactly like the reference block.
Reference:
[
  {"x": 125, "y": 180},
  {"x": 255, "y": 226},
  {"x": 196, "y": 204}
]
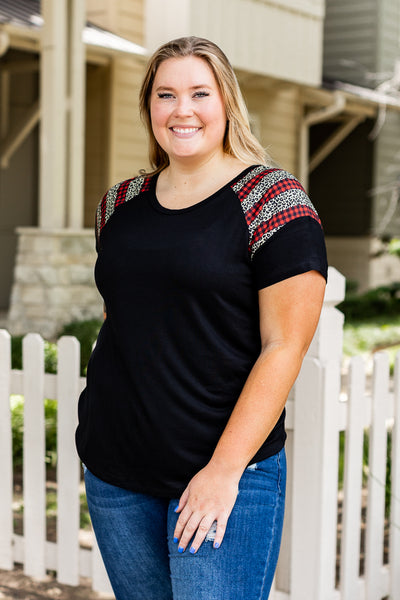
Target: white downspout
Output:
[{"x": 318, "y": 116}]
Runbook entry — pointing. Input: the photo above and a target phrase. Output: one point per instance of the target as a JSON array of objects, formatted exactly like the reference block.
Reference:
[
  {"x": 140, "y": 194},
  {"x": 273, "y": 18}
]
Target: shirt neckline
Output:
[{"x": 173, "y": 211}]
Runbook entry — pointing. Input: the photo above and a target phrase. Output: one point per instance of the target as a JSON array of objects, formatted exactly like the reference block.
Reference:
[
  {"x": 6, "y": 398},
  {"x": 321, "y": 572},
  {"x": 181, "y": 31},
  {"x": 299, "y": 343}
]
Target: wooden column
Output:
[
  {"x": 76, "y": 124},
  {"x": 53, "y": 131},
  {"x": 63, "y": 108}
]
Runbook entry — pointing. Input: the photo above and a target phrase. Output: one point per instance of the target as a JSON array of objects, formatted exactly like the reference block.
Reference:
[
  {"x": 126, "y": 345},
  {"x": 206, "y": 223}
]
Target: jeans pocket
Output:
[{"x": 272, "y": 470}]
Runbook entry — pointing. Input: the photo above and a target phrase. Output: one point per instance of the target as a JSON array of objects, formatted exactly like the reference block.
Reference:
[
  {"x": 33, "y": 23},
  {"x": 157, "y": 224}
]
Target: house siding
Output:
[
  {"x": 282, "y": 39},
  {"x": 123, "y": 17},
  {"x": 386, "y": 175},
  {"x": 350, "y": 34},
  {"x": 387, "y": 155},
  {"x": 278, "y": 112},
  {"x": 128, "y": 144},
  {"x": 388, "y": 39}
]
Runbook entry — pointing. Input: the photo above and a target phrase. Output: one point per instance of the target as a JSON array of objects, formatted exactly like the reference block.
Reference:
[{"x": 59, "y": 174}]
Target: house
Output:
[
  {"x": 76, "y": 68},
  {"x": 357, "y": 187}
]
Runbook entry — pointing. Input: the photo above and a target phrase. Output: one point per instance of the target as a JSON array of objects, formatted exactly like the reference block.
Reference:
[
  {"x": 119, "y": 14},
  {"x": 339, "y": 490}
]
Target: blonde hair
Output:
[{"x": 238, "y": 140}]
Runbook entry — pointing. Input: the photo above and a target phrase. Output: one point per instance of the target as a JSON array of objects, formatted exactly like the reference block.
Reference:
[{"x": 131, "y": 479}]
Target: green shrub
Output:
[
  {"x": 383, "y": 300},
  {"x": 17, "y": 424},
  {"x": 50, "y": 354},
  {"x": 50, "y": 357},
  {"x": 86, "y": 332},
  {"x": 50, "y": 419},
  {"x": 394, "y": 247}
]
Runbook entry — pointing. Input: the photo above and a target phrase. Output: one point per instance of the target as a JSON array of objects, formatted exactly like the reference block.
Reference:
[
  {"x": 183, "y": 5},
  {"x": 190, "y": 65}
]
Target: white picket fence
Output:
[
  {"x": 322, "y": 404},
  {"x": 38, "y": 555}
]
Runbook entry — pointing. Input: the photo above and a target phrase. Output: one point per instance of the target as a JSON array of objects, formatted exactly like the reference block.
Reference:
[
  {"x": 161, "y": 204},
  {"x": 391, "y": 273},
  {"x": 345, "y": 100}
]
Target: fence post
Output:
[
  {"x": 6, "y": 495},
  {"x": 34, "y": 471},
  {"x": 352, "y": 481},
  {"x": 376, "y": 478},
  {"x": 395, "y": 502},
  {"x": 315, "y": 455},
  {"x": 68, "y": 469}
]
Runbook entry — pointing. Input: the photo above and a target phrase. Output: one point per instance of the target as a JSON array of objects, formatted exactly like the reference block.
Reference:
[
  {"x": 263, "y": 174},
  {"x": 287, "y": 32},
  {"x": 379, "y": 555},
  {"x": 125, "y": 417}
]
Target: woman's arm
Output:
[{"x": 289, "y": 313}]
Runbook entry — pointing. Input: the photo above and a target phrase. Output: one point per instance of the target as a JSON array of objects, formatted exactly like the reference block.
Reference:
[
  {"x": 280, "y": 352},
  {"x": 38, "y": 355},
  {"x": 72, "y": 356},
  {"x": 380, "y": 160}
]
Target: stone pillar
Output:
[{"x": 53, "y": 281}]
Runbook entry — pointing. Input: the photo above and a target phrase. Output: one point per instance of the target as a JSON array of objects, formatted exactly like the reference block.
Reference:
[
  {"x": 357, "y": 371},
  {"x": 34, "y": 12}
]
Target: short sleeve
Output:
[
  {"x": 297, "y": 247},
  {"x": 117, "y": 195},
  {"x": 285, "y": 232}
]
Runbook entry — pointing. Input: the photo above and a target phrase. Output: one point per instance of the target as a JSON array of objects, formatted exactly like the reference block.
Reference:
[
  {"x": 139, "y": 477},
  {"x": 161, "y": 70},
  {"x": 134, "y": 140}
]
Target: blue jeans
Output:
[{"x": 135, "y": 536}]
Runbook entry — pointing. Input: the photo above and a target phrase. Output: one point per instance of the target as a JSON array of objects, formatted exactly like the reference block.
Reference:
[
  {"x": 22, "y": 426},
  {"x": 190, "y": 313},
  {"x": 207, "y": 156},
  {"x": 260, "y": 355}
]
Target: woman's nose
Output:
[{"x": 184, "y": 106}]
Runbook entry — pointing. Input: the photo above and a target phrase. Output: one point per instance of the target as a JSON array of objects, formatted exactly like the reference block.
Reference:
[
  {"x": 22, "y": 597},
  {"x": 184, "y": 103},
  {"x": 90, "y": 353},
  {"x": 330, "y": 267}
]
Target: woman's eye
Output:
[
  {"x": 164, "y": 95},
  {"x": 201, "y": 94}
]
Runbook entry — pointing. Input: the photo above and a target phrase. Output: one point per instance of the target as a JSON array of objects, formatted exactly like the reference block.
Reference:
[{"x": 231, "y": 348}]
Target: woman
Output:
[{"x": 212, "y": 268}]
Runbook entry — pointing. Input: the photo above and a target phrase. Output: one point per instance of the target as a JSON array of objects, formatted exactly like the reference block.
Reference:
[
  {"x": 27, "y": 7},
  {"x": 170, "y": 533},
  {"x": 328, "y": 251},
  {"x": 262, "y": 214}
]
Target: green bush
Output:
[
  {"x": 50, "y": 357},
  {"x": 383, "y": 300},
  {"x": 86, "y": 332},
  {"x": 17, "y": 424},
  {"x": 50, "y": 354}
]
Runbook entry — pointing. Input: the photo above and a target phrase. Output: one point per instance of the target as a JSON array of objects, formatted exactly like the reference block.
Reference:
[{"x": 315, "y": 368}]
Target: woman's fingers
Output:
[
  {"x": 181, "y": 522},
  {"x": 182, "y": 501},
  {"x": 199, "y": 527},
  {"x": 209, "y": 497},
  {"x": 195, "y": 525},
  {"x": 220, "y": 532},
  {"x": 208, "y": 527}
]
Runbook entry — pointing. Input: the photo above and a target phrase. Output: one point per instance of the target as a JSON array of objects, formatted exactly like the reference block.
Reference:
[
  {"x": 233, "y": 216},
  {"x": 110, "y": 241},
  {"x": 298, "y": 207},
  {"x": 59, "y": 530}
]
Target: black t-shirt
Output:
[{"x": 182, "y": 327}]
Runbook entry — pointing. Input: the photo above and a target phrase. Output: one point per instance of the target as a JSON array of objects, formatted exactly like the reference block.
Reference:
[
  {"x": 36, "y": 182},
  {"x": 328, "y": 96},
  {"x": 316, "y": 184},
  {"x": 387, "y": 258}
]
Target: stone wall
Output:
[{"x": 53, "y": 281}]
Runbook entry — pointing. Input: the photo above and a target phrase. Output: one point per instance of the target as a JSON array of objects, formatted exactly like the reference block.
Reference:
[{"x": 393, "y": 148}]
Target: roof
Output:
[{"x": 25, "y": 15}]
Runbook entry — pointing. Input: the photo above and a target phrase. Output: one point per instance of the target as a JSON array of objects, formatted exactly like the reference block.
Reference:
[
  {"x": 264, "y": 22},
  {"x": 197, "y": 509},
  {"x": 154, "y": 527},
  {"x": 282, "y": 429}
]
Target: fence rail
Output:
[
  {"x": 322, "y": 407},
  {"x": 32, "y": 550}
]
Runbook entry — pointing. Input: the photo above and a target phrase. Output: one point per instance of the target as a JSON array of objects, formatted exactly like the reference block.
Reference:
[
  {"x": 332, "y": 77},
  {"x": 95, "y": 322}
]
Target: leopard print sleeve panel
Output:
[
  {"x": 119, "y": 194},
  {"x": 270, "y": 198}
]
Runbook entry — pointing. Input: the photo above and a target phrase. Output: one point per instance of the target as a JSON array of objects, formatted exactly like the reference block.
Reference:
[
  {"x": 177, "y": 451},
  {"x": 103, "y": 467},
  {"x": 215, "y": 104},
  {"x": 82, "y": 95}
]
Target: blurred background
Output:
[
  {"x": 322, "y": 84},
  {"x": 321, "y": 79}
]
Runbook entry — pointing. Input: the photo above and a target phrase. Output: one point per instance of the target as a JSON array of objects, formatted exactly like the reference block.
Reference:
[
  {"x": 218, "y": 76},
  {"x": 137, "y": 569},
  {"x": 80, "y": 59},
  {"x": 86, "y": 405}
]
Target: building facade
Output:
[
  {"x": 361, "y": 207},
  {"x": 70, "y": 74}
]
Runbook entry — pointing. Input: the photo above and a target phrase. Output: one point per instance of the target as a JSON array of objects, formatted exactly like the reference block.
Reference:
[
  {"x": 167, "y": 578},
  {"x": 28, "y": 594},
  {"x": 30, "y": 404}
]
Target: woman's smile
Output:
[{"x": 185, "y": 132}]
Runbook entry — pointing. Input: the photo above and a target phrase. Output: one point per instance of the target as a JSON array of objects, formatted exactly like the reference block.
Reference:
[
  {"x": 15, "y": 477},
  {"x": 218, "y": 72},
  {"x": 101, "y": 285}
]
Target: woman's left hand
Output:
[{"x": 210, "y": 496}]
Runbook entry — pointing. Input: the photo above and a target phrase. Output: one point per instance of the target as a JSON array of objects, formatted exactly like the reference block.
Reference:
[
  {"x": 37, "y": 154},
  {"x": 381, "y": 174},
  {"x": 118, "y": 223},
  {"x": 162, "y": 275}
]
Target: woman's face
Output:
[{"x": 188, "y": 116}]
